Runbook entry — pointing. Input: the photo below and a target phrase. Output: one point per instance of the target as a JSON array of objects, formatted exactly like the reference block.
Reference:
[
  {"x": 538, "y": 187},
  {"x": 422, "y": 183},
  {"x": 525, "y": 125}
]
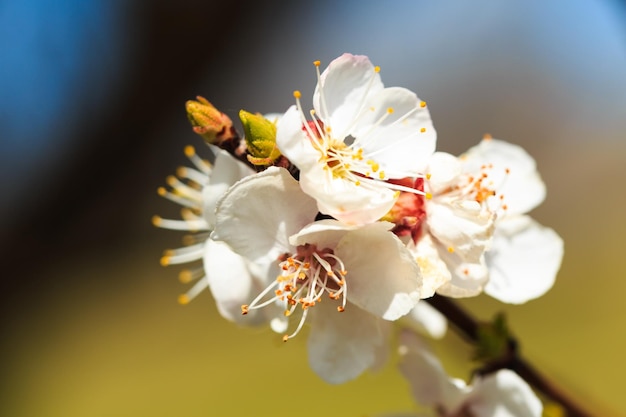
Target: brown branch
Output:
[{"x": 468, "y": 328}]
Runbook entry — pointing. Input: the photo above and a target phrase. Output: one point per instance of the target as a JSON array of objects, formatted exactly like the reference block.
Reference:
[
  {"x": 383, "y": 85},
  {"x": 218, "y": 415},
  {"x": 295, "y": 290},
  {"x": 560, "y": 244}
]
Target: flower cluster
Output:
[{"x": 343, "y": 217}]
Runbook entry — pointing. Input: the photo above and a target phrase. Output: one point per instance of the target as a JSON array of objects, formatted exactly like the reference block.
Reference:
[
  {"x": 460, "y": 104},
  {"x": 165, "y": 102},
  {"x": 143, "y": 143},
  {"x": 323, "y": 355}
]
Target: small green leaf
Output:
[{"x": 493, "y": 339}]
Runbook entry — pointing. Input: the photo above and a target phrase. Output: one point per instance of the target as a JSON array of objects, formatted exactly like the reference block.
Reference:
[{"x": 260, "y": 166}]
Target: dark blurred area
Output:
[{"x": 92, "y": 119}]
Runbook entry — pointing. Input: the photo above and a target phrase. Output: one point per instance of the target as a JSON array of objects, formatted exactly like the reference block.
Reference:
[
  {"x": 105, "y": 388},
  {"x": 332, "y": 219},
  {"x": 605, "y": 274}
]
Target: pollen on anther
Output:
[
  {"x": 376, "y": 68},
  {"x": 156, "y": 220},
  {"x": 507, "y": 170},
  {"x": 183, "y": 299},
  {"x": 185, "y": 276},
  {"x": 487, "y": 136},
  {"x": 390, "y": 110},
  {"x": 297, "y": 94},
  {"x": 340, "y": 309},
  {"x": 428, "y": 176},
  {"x": 189, "y": 151},
  {"x": 165, "y": 260},
  {"x": 285, "y": 338},
  {"x": 244, "y": 309},
  {"x": 423, "y": 104},
  {"x": 423, "y": 130},
  {"x": 450, "y": 249},
  {"x": 428, "y": 196},
  {"x": 317, "y": 63}
]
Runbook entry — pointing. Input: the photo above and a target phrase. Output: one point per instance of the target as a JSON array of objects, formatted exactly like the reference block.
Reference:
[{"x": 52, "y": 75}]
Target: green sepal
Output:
[{"x": 260, "y": 136}]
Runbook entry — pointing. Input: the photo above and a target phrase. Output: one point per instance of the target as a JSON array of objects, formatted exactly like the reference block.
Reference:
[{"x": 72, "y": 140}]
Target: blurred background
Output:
[{"x": 92, "y": 119}]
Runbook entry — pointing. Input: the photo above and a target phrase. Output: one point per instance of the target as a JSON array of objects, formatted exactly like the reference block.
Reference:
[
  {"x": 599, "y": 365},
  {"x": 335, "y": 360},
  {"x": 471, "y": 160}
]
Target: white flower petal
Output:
[
  {"x": 343, "y": 200},
  {"x": 444, "y": 170},
  {"x": 343, "y": 345},
  {"x": 346, "y": 84},
  {"x": 259, "y": 213},
  {"x": 435, "y": 272},
  {"x": 504, "y": 394},
  {"x": 230, "y": 282},
  {"x": 227, "y": 171},
  {"x": 524, "y": 260},
  {"x": 425, "y": 319},
  {"x": 468, "y": 279},
  {"x": 293, "y": 142},
  {"x": 404, "y": 140},
  {"x": 462, "y": 227},
  {"x": 429, "y": 382},
  {"x": 324, "y": 233},
  {"x": 522, "y": 187},
  {"x": 383, "y": 278}
]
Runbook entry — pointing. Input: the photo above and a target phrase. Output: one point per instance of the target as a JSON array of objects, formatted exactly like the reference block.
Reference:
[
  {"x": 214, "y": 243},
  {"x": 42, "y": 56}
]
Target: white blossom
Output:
[
  {"x": 350, "y": 281},
  {"x": 501, "y": 394},
  {"x": 360, "y": 135}
]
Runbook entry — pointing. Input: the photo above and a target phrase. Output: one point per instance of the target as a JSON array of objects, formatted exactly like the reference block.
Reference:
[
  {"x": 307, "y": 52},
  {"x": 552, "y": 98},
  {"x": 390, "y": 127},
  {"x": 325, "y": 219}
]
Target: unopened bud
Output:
[
  {"x": 207, "y": 121},
  {"x": 260, "y": 136}
]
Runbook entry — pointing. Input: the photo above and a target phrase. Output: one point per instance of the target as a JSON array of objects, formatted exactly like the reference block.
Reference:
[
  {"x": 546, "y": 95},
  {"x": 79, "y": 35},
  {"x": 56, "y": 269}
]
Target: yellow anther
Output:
[
  {"x": 316, "y": 63},
  {"x": 185, "y": 276},
  {"x": 376, "y": 68},
  {"x": 297, "y": 94},
  {"x": 428, "y": 176},
  {"x": 165, "y": 260},
  {"x": 390, "y": 110},
  {"x": 357, "y": 182},
  {"x": 156, "y": 220},
  {"x": 183, "y": 299},
  {"x": 450, "y": 249},
  {"x": 285, "y": 338},
  {"x": 487, "y": 136},
  {"x": 428, "y": 196},
  {"x": 244, "y": 309},
  {"x": 423, "y": 104},
  {"x": 340, "y": 309},
  {"x": 396, "y": 194},
  {"x": 375, "y": 166},
  {"x": 189, "y": 151},
  {"x": 161, "y": 191},
  {"x": 170, "y": 180},
  {"x": 423, "y": 130},
  {"x": 507, "y": 170},
  {"x": 381, "y": 175}
]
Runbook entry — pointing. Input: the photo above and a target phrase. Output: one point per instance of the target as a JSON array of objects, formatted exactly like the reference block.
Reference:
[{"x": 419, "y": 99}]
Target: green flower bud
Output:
[{"x": 260, "y": 136}]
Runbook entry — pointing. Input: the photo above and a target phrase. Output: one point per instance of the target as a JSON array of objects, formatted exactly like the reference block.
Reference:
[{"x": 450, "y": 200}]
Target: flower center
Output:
[
  {"x": 305, "y": 277},
  {"x": 408, "y": 213},
  {"x": 482, "y": 187}
]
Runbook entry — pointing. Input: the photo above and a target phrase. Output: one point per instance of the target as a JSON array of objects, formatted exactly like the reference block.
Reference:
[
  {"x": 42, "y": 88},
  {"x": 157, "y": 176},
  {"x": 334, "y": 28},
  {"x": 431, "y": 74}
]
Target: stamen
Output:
[
  {"x": 184, "y": 225},
  {"x": 183, "y": 189},
  {"x": 194, "y": 291},
  {"x": 188, "y": 275},
  {"x": 200, "y": 163},
  {"x": 180, "y": 200},
  {"x": 193, "y": 175}
]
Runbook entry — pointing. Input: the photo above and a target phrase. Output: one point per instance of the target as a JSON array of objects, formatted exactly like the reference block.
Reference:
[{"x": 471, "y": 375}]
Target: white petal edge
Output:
[
  {"x": 504, "y": 394},
  {"x": 259, "y": 213},
  {"x": 383, "y": 278},
  {"x": 343, "y": 345},
  {"x": 524, "y": 260}
]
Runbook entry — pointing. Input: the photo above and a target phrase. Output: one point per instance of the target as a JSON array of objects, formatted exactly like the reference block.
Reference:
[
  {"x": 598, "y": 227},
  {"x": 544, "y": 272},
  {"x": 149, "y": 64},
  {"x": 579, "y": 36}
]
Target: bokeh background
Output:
[{"x": 92, "y": 120}]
